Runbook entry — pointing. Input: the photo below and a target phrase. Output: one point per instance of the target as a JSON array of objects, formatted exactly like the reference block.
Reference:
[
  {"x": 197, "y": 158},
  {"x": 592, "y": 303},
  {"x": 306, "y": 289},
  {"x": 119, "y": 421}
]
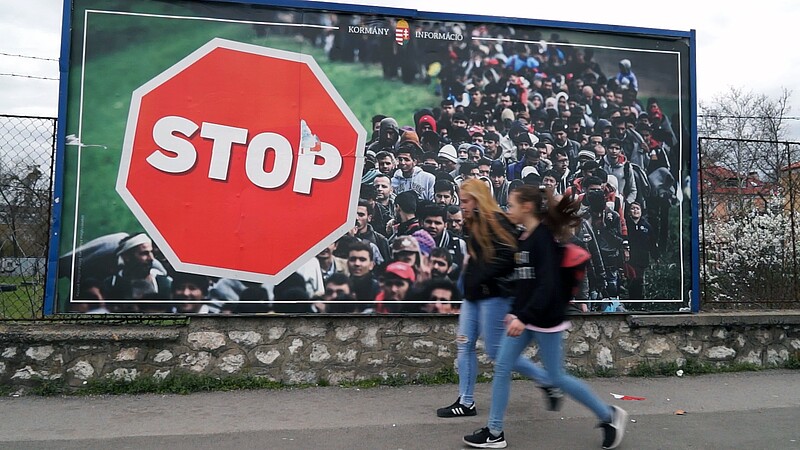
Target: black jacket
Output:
[
  {"x": 486, "y": 279},
  {"x": 453, "y": 245},
  {"x": 542, "y": 296},
  {"x": 642, "y": 242}
]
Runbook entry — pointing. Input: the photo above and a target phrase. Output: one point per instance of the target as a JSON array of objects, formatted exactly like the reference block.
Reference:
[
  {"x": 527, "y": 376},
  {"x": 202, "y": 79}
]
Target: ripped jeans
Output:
[
  {"x": 484, "y": 318},
  {"x": 551, "y": 352}
]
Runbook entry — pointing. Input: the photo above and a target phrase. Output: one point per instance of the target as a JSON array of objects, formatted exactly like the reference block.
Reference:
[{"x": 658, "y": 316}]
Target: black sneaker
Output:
[
  {"x": 555, "y": 396},
  {"x": 457, "y": 410},
  {"x": 484, "y": 438},
  {"x": 614, "y": 430}
]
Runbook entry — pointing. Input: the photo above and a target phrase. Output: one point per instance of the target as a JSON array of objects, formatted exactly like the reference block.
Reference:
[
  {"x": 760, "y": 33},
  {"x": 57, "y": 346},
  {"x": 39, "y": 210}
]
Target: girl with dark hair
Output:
[
  {"x": 491, "y": 245},
  {"x": 543, "y": 293}
]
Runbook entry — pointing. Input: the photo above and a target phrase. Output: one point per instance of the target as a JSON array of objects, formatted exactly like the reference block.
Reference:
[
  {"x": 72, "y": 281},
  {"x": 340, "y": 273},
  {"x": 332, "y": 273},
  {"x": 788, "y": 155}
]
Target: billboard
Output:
[{"x": 234, "y": 158}]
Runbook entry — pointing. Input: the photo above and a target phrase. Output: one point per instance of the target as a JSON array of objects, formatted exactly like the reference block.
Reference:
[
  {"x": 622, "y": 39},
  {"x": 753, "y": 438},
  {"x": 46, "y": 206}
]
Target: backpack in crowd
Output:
[
  {"x": 573, "y": 267},
  {"x": 641, "y": 180}
]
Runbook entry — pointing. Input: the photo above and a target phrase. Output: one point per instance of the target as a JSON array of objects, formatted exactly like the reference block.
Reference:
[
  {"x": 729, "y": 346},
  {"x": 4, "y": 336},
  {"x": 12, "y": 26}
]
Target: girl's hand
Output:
[{"x": 515, "y": 328}]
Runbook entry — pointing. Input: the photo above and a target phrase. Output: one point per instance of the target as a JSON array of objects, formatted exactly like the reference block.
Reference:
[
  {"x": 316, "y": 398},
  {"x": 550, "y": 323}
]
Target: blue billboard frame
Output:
[{"x": 58, "y": 182}]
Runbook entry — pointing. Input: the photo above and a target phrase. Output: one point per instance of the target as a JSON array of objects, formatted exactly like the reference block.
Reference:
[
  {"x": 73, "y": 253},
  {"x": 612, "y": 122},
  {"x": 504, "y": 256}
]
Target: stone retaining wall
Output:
[{"x": 337, "y": 349}]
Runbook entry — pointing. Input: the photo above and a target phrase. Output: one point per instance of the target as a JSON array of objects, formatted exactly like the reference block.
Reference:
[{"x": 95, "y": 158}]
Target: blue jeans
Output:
[
  {"x": 485, "y": 318},
  {"x": 552, "y": 355}
]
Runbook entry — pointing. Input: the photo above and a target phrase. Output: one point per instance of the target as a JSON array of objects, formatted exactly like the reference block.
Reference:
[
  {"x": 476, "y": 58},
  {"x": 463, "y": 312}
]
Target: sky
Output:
[{"x": 746, "y": 46}]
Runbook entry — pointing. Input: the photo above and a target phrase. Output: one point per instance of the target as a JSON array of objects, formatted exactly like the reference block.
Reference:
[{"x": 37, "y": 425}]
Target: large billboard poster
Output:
[{"x": 236, "y": 158}]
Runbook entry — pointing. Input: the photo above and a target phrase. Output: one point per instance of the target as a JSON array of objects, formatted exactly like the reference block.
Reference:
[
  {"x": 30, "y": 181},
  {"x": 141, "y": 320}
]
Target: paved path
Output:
[{"x": 752, "y": 410}]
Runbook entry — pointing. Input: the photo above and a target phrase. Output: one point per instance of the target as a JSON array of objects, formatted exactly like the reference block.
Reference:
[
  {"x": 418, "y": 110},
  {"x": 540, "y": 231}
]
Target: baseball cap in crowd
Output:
[
  {"x": 425, "y": 242},
  {"x": 559, "y": 125},
  {"x": 527, "y": 171},
  {"x": 532, "y": 178},
  {"x": 449, "y": 153},
  {"x": 405, "y": 243},
  {"x": 497, "y": 168},
  {"x": 546, "y": 137},
  {"x": 401, "y": 270}
]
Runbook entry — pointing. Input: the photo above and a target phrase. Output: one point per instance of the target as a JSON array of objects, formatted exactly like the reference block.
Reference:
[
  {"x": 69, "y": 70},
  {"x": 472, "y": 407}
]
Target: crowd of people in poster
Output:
[{"x": 532, "y": 110}]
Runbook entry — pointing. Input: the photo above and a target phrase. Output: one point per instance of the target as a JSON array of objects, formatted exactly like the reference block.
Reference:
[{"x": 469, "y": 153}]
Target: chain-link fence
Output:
[
  {"x": 749, "y": 223},
  {"x": 749, "y": 219},
  {"x": 27, "y": 147}
]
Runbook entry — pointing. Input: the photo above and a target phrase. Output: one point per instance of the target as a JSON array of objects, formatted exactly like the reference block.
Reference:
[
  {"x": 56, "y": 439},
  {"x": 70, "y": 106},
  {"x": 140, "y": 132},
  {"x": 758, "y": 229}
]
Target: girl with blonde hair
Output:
[
  {"x": 491, "y": 243},
  {"x": 547, "y": 273}
]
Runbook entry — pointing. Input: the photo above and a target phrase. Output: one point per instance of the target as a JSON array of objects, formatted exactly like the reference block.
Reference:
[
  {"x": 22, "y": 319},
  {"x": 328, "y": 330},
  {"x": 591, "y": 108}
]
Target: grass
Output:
[
  {"x": 597, "y": 372},
  {"x": 23, "y": 303},
  {"x": 793, "y": 362},
  {"x": 694, "y": 367},
  {"x": 186, "y": 383},
  {"x": 5, "y": 390},
  {"x": 444, "y": 376},
  {"x": 178, "y": 384}
]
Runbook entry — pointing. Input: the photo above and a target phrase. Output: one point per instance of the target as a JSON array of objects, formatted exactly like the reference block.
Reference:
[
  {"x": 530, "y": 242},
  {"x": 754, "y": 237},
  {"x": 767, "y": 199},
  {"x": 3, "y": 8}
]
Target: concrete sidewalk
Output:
[{"x": 753, "y": 410}]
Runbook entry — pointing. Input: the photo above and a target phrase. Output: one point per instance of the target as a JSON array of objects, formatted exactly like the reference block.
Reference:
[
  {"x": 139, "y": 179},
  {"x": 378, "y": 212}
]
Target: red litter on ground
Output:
[{"x": 626, "y": 397}]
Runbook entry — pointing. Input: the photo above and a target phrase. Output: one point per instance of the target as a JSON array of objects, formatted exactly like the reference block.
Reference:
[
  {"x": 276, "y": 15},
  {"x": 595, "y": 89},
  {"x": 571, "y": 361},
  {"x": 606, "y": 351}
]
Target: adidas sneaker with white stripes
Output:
[{"x": 457, "y": 409}]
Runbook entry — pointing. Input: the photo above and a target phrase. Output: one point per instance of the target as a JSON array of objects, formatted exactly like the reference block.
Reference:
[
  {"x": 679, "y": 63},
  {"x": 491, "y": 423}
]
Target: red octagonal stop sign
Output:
[{"x": 241, "y": 161}]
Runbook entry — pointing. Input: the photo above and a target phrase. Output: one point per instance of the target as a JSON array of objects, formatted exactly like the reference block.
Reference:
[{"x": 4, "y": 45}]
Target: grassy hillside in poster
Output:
[{"x": 114, "y": 68}]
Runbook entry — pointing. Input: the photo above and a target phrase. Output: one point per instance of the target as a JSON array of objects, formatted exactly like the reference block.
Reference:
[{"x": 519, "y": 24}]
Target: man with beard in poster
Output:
[{"x": 136, "y": 278}]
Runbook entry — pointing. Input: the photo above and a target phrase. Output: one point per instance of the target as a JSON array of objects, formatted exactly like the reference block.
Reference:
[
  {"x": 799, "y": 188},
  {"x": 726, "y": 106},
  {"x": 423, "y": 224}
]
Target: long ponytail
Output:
[{"x": 560, "y": 215}]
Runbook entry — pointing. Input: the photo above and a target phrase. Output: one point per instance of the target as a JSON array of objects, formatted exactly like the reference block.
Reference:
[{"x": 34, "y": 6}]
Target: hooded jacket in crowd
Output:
[
  {"x": 622, "y": 171},
  {"x": 385, "y": 141},
  {"x": 420, "y": 182}
]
